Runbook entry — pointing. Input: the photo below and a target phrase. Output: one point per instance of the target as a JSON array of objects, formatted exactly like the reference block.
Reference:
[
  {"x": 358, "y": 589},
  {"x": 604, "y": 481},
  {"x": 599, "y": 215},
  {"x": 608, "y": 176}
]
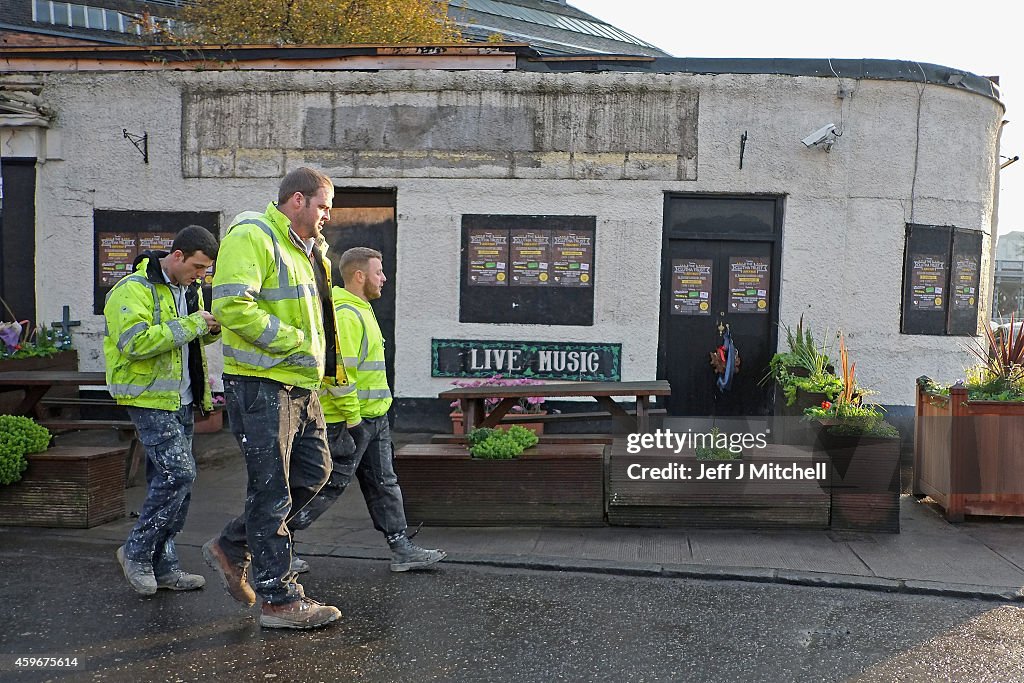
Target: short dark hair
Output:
[
  {"x": 195, "y": 238},
  {"x": 308, "y": 181},
  {"x": 355, "y": 259}
]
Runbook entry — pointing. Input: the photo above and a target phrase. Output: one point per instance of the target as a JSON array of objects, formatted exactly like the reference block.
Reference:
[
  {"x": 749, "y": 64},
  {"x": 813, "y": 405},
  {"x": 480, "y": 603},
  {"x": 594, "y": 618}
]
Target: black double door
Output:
[{"x": 720, "y": 274}]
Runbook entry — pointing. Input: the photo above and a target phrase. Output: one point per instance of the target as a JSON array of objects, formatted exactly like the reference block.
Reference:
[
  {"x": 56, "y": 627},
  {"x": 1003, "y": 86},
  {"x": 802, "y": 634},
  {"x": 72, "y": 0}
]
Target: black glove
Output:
[{"x": 360, "y": 433}]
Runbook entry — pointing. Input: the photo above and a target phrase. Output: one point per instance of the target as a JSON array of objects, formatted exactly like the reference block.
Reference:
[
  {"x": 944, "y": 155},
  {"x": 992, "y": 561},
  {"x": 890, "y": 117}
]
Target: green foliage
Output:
[
  {"x": 878, "y": 430},
  {"x": 19, "y": 436},
  {"x": 719, "y": 449},
  {"x": 500, "y": 444},
  {"x": 825, "y": 383}
]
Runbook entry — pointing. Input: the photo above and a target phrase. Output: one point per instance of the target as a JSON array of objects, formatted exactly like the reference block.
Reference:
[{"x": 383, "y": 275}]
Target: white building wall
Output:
[{"x": 909, "y": 152}]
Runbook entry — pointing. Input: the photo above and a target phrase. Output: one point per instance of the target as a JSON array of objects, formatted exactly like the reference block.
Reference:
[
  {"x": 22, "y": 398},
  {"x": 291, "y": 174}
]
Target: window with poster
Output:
[
  {"x": 528, "y": 269},
  {"x": 120, "y": 236},
  {"x": 941, "y": 280}
]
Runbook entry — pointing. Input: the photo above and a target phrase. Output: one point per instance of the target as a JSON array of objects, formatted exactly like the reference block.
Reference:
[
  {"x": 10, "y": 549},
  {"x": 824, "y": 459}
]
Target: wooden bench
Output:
[
  {"x": 549, "y": 484},
  {"x": 67, "y": 486}
]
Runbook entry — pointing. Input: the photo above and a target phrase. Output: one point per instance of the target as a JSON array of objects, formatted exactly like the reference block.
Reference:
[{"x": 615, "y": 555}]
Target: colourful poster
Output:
[
  {"x": 529, "y": 257},
  {"x": 927, "y": 278},
  {"x": 691, "y": 286},
  {"x": 572, "y": 258},
  {"x": 748, "y": 284},
  {"x": 488, "y": 257}
]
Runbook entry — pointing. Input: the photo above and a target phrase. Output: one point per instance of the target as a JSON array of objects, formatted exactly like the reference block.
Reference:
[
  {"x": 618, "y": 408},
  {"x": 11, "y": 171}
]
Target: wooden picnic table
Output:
[
  {"x": 472, "y": 399},
  {"x": 36, "y": 383}
]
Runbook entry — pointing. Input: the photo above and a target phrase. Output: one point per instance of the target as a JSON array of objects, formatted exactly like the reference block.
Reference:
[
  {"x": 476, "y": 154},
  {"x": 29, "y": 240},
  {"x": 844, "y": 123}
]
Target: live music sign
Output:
[{"x": 592, "y": 362}]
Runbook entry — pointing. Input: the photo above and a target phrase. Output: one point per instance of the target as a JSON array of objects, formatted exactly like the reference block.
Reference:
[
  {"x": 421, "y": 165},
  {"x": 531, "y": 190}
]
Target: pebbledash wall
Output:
[{"x": 511, "y": 135}]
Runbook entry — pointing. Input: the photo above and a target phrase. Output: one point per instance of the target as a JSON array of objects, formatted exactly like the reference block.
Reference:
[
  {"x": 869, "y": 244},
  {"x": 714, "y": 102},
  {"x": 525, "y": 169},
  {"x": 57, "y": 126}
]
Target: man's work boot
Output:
[
  {"x": 231, "y": 575},
  {"x": 178, "y": 580},
  {"x": 406, "y": 555},
  {"x": 303, "y": 613},
  {"x": 299, "y": 565},
  {"x": 139, "y": 574}
]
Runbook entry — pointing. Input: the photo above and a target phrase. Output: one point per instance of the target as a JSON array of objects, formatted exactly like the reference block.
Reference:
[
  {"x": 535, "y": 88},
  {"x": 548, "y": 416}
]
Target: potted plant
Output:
[
  {"x": 967, "y": 435},
  {"x": 804, "y": 377},
  {"x": 864, "y": 452},
  {"x": 533, "y": 405},
  {"x": 24, "y": 348}
]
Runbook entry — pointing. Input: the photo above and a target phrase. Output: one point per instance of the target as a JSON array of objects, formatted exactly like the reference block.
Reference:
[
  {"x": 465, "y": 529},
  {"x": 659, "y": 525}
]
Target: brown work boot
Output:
[
  {"x": 231, "y": 575},
  {"x": 303, "y": 613}
]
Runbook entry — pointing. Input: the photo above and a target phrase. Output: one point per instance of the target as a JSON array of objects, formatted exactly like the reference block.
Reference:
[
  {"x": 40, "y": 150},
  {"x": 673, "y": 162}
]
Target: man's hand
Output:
[
  {"x": 211, "y": 321},
  {"x": 360, "y": 433}
]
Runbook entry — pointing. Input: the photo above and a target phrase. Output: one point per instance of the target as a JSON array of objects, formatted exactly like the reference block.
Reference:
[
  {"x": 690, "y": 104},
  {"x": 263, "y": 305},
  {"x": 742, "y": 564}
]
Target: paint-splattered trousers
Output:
[
  {"x": 170, "y": 471},
  {"x": 282, "y": 434},
  {"x": 374, "y": 466}
]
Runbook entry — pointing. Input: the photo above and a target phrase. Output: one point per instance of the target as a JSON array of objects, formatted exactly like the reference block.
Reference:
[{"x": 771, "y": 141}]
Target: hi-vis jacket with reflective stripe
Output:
[
  {"x": 265, "y": 297},
  {"x": 362, "y": 349},
  {"x": 144, "y": 337}
]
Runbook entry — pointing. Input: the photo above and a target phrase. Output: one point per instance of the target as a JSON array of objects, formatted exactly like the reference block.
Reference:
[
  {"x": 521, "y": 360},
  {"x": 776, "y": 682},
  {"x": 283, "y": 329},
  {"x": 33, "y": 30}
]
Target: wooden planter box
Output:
[
  {"x": 549, "y": 485},
  {"x": 967, "y": 454},
  {"x": 77, "y": 487},
  {"x": 865, "y": 482},
  {"x": 729, "y": 502},
  {"x": 64, "y": 360}
]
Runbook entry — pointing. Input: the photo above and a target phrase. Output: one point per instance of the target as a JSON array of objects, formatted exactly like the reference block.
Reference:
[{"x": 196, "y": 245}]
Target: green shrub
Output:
[
  {"x": 19, "y": 436},
  {"x": 498, "y": 444}
]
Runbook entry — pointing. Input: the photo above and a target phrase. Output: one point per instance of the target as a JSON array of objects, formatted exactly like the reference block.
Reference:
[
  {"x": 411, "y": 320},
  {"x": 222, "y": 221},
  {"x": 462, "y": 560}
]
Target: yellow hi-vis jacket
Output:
[
  {"x": 265, "y": 297},
  {"x": 143, "y": 340},
  {"x": 362, "y": 350}
]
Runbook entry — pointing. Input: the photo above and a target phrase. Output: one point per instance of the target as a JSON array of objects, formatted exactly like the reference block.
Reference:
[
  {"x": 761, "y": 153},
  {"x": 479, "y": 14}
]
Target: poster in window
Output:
[
  {"x": 748, "y": 284},
  {"x": 488, "y": 258},
  {"x": 691, "y": 287},
  {"x": 155, "y": 241},
  {"x": 117, "y": 251},
  {"x": 529, "y": 258},
  {"x": 965, "y": 283},
  {"x": 927, "y": 275},
  {"x": 572, "y": 258}
]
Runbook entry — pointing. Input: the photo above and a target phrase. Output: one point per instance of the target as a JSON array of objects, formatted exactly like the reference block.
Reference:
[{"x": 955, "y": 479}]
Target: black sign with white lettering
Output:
[{"x": 592, "y": 362}]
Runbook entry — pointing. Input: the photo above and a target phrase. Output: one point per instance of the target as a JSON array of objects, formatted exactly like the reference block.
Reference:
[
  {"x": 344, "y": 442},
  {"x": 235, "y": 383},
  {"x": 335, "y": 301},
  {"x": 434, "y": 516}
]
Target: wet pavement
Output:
[
  {"x": 463, "y": 623},
  {"x": 613, "y": 603}
]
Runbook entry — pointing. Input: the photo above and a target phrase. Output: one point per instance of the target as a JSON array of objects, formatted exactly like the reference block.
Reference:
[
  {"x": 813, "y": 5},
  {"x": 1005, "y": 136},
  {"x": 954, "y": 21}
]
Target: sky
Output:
[{"x": 974, "y": 38}]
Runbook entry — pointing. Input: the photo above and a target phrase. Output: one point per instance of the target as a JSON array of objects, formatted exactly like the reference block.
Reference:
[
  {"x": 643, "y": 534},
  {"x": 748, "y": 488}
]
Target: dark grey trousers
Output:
[
  {"x": 282, "y": 434},
  {"x": 374, "y": 467}
]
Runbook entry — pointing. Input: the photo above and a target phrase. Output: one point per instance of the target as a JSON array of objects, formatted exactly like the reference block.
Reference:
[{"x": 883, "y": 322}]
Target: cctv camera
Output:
[{"x": 821, "y": 135}]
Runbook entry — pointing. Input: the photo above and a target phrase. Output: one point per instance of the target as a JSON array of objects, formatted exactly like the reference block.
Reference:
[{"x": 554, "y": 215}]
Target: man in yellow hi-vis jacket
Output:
[
  {"x": 370, "y": 458},
  {"x": 156, "y": 329},
  {"x": 272, "y": 294}
]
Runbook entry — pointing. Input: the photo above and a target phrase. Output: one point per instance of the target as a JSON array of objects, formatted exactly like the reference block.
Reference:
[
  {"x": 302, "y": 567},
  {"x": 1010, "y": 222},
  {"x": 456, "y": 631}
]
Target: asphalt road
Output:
[{"x": 461, "y": 623}]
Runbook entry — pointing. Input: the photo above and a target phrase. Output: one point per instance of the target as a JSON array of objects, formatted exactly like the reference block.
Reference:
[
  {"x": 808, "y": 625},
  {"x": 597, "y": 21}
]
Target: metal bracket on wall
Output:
[{"x": 141, "y": 143}]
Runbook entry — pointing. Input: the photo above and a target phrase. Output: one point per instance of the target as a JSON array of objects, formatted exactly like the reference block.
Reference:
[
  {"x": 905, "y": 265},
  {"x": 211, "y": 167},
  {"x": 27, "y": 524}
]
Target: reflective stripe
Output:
[
  {"x": 259, "y": 360},
  {"x": 136, "y": 390},
  {"x": 289, "y": 292},
  {"x": 282, "y": 269},
  {"x": 343, "y": 390},
  {"x": 223, "y": 291},
  {"x": 178, "y": 332},
  {"x": 129, "y": 334},
  {"x": 374, "y": 393},
  {"x": 371, "y": 365},
  {"x": 350, "y": 361},
  {"x": 269, "y": 334},
  {"x": 364, "y": 348}
]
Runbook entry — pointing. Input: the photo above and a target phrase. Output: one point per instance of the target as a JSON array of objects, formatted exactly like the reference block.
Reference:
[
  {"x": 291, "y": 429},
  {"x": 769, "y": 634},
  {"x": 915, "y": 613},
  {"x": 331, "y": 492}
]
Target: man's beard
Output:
[{"x": 370, "y": 292}]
